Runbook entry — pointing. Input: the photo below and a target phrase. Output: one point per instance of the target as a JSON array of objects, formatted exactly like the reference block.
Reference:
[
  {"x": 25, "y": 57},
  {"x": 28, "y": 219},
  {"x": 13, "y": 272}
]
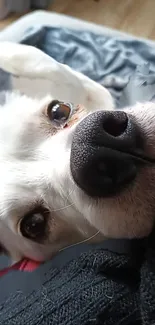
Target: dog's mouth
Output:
[
  {"x": 108, "y": 150},
  {"x": 139, "y": 157}
]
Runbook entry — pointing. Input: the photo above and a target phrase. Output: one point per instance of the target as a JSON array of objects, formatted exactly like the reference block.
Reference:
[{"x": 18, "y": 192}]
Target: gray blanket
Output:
[{"x": 105, "y": 59}]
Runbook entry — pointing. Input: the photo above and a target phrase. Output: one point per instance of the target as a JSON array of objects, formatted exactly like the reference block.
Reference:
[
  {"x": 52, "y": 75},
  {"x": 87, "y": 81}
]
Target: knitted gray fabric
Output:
[{"x": 95, "y": 288}]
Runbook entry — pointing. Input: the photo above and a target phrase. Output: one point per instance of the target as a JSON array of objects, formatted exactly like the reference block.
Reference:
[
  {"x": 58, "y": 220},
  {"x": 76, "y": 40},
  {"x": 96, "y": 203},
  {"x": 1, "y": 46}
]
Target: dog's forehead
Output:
[
  {"x": 17, "y": 103},
  {"x": 26, "y": 186},
  {"x": 20, "y": 119},
  {"x": 20, "y": 187},
  {"x": 13, "y": 113},
  {"x": 18, "y": 109}
]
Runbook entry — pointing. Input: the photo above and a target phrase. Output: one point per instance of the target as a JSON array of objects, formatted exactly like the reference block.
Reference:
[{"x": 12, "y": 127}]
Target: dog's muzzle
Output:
[{"x": 104, "y": 150}]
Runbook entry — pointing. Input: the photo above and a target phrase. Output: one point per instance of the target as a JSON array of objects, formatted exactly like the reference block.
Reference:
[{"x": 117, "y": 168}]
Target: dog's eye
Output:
[
  {"x": 33, "y": 226},
  {"x": 59, "y": 112}
]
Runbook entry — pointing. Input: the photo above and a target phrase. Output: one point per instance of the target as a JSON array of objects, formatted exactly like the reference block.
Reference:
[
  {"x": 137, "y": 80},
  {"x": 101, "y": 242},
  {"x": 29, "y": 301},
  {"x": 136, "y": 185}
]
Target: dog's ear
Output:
[{"x": 37, "y": 74}]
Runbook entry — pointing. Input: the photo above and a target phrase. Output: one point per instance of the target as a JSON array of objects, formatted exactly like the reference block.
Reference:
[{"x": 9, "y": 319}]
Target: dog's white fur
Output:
[{"x": 35, "y": 169}]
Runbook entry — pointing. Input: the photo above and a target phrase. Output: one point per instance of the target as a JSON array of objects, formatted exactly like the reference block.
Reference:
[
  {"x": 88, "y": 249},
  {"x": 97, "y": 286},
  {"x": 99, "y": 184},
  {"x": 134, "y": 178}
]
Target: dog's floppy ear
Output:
[{"x": 36, "y": 74}]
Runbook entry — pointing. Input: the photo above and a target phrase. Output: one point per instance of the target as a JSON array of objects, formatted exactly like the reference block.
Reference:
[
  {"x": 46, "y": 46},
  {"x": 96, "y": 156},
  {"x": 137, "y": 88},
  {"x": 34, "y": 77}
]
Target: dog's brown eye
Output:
[
  {"x": 33, "y": 226},
  {"x": 59, "y": 112}
]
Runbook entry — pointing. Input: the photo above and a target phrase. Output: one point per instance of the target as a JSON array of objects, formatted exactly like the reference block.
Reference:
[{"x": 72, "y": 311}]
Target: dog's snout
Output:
[{"x": 103, "y": 147}]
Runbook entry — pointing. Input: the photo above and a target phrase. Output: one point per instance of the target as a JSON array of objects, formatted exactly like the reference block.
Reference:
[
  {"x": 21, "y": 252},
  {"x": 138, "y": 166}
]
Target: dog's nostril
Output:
[{"x": 115, "y": 124}]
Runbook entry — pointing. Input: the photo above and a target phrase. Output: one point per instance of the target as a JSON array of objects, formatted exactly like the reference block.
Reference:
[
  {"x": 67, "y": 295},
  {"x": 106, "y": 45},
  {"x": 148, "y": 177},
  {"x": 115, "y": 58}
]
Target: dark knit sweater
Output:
[{"x": 111, "y": 283}]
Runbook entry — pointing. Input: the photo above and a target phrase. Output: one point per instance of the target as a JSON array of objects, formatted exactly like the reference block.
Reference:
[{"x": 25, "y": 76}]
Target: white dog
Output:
[{"x": 68, "y": 175}]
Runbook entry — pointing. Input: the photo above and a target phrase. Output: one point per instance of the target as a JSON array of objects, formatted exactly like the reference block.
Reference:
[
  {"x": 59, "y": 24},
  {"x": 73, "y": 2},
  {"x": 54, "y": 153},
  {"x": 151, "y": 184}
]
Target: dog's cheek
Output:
[
  {"x": 61, "y": 233},
  {"x": 144, "y": 116},
  {"x": 130, "y": 214},
  {"x": 134, "y": 207}
]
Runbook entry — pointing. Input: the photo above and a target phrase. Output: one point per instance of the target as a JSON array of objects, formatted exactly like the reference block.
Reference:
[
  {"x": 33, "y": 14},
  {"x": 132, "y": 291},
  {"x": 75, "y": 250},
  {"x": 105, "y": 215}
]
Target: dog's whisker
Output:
[
  {"x": 69, "y": 195},
  {"x": 81, "y": 242},
  {"x": 63, "y": 208}
]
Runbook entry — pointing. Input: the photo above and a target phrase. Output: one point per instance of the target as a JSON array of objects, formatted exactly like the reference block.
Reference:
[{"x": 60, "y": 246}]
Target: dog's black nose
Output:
[{"x": 102, "y": 153}]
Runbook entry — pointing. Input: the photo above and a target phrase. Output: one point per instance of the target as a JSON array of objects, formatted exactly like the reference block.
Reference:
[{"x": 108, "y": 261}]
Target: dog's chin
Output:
[
  {"x": 121, "y": 216},
  {"x": 127, "y": 212}
]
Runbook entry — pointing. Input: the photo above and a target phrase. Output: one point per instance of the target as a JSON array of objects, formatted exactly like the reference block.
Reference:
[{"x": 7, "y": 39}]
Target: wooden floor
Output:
[{"x": 134, "y": 16}]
